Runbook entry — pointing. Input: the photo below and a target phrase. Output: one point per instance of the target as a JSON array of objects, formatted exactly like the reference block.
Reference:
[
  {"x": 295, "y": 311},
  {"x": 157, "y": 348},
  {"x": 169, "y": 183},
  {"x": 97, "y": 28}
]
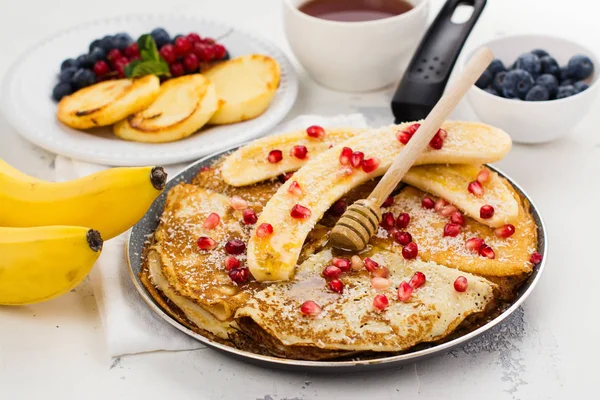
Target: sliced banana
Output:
[
  {"x": 246, "y": 85},
  {"x": 323, "y": 180},
  {"x": 182, "y": 107},
  {"x": 249, "y": 164},
  {"x": 107, "y": 102},
  {"x": 451, "y": 183}
]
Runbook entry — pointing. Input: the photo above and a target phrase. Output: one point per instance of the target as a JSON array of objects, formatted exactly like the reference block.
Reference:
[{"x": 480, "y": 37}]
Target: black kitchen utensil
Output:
[{"x": 425, "y": 78}]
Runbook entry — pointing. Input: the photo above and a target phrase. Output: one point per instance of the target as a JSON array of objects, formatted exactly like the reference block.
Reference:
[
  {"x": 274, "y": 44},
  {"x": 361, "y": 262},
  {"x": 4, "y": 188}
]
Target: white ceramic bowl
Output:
[
  {"x": 354, "y": 56},
  {"x": 534, "y": 121}
]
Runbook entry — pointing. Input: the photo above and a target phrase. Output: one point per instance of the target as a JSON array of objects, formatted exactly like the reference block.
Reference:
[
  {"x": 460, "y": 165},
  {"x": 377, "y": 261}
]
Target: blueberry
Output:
[
  {"x": 108, "y": 43},
  {"x": 484, "y": 80},
  {"x": 491, "y": 90},
  {"x": 567, "y": 82},
  {"x": 85, "y": 61},
  {"x": 539, "y": 53},
  {"x": 69, "y": 62},
  {"x": 580, "y": 67},
  {"x": 549, "y": 82},
  {"x": 516, "y": 84},
  {"x": 549, "y": 66},
  {"x": 226, "y": 56},
  {"x": 61, "y": 90},
  {"x": 82, "y": 78},
  {"x": 97, "y": 54},
  {"x": 498, "y": 80},
  {"x": 160, "y": 36},
  {"x": 122, "y": 40},
  {"x": 580, "y": 86},
  {"x": 95, "y": 43},
  {"x": 66, "y": 74},
  {"x": 530, "y": 63},
  {"x": 537, "y": 93},
  {"x": 496, "y": 66},
  {"x": 564, "y": 73},
  {"x": 565, "y": 91}
]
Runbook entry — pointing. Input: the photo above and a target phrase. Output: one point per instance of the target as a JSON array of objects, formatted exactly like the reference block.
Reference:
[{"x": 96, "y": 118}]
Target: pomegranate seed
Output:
[
  {"x": 487, "y": 251},
  {"x": 331, "y": 271},
  {"x": 410, "y": 251},
  {"x": 476, "y": 188},
  {"x": 231, "y": 263},
  {"x": 249, "y": 216},
  {"x": 345, "y": 155},
  {"x": 339, "y": 207},
  {"x": 474, "y": 244},
  {"x": 284, "y": 177},
  {"x": 275, "y": 156},
  {"x": 212, "y": 221},
  {"x": 300, "y": 212},
  {"x": 370, "y": 265},
  {"x": 427, "y": 203},
  {"x": 387, "y": 220},
  {"x": 486, "y": 211},
  {"x": 206, "y": 243},
  {"x": 417, "y": 280},
  {"x": 237, "y": 203},
  {"x": 452, "y": 230},
  {"x": 457, "y": 218},
  {"x": 239, "y": 275},
  {"x": 388, "y": 202},
  {"x": 505, "y": 231},
  {"x": 315, "y": 131},
  {"x": 190, "y": 62},
  {"x": 235, "y": 246},
  {"x": 404, "y": 292},
  {"x": 336, "y": 285},
  {"x": 357, "y": 158},
  {"x": 484, "y": 175},
  {"x": 168, "y": 53},
  {"x": 380, "y": 302},
  {"x": 403, "y": 137},
  {"x": 447, "y": 210},
  {"x": 341, "y": 263},
  {"x": 345, "y": 171},
  {"x": 101, "y": 68},
  {"x": 439, "y": 204},
  {"x": 299, "y": 151},
  {"x": 370, "y": 164},
  {"x": 403, "y": 238},
  {"x": 310, "y": 308},
  {"x": 536, "y": 258},
  {"x": 356, "y": 263},
  {"x": 295, "y": 189},
  {"x": 381, "y": 272},
  {"x": 402, "y": 221},
  {"x": 412, "y": 129},
  {"x": 460, "y": 284},
  {"x": 436, "y": 142},
  {"x": 264, "y": 230},
  {"x": 442, "y": 133},
  {"x": 182, "y": 46},
  {"x": 379, "y": 283}
]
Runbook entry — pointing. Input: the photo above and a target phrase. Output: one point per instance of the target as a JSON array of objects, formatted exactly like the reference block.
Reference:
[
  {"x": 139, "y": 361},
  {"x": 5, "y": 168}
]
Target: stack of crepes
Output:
[{"x": 241, "y": 254}]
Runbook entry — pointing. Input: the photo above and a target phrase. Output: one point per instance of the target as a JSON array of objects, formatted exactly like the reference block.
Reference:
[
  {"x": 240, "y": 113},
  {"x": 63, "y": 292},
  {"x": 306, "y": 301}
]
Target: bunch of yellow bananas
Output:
[{"x": 45, "y": 250}]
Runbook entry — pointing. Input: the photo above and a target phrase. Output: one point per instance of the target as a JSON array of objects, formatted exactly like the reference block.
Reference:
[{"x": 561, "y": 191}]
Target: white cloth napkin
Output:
[{"x": 130, "y": 326}]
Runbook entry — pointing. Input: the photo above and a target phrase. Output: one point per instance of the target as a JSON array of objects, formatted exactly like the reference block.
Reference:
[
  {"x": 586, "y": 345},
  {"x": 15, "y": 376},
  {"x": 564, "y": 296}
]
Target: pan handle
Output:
[{"x": 427, "y": 74}]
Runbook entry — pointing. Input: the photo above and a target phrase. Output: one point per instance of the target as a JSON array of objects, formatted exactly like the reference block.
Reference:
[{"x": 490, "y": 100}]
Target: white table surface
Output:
[{"x": 548, "y": 350}]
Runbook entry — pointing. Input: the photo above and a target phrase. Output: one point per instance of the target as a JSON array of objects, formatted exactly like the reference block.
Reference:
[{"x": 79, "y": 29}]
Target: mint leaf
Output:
[
  {"x": 129, "y": 68},
  {"x": 150, "y": 62},
  {"x": 143, "y": 68},
  {"x": 147, "y": 48}
]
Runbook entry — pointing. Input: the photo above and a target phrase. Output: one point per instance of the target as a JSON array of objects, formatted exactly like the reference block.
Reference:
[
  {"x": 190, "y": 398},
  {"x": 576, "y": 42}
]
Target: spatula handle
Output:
[{"x": 418, "y": 143}]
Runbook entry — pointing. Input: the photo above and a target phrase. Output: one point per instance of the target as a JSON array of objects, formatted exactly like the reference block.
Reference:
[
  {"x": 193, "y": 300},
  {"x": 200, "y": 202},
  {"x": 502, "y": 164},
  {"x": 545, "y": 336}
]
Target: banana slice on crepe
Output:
[
  {"x": 107, "y": 102},
  {"x": 182, "y": 107}
]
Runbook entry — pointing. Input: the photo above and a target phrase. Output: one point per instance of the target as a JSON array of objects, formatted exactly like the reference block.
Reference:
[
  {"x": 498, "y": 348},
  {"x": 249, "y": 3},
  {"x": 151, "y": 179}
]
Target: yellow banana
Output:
[
  {"x": 40, "y": 263},
  {"x": 110, "y": 201}
]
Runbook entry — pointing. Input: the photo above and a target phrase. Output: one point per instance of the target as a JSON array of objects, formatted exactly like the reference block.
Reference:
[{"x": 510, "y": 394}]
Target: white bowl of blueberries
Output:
[{"x": 538, "y": 87}]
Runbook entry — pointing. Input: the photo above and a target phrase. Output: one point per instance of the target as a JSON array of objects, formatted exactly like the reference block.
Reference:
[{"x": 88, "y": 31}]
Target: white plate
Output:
[{"x": 27, "y": 104}]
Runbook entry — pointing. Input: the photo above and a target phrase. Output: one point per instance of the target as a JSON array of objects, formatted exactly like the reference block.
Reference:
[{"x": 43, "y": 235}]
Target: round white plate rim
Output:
[{"x": 143, "y": 156}]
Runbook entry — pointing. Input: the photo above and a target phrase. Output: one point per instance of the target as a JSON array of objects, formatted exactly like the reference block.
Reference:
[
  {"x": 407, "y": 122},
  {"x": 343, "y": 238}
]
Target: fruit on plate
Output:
[
  {"x": 246, "y": 85},
  {"x": 110, "y": 201},
  {"x": 41, "y": 263},
  {"x": 182, "y": 107},
  {"x": 107, "y": 102}
]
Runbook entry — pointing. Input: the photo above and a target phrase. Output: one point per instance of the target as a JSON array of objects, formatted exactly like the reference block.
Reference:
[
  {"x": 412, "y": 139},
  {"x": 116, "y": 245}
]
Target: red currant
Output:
[
  {"x": 168, "y": 53},
  {"x": 120, "y": 65},
  {"x": 204, "y": 52},
  {"x": 193, "y": 38},
  {"x": 132, "y": 50},
  {"x": 101, "y": 68},
  {"x": 190, "y": 62},
  {"x": 182, "y": 46},
  {"x": 208, "y": 40},
  {"x": 114, "y": 55},
  {"x": 176, "y": 69},
  {"x": 220, "y": 51}
]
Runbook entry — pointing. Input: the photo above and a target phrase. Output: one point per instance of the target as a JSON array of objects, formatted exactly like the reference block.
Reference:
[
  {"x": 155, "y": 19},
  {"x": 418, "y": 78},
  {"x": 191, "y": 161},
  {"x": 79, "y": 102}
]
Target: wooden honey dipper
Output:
[{"x": 360, "y": 221}]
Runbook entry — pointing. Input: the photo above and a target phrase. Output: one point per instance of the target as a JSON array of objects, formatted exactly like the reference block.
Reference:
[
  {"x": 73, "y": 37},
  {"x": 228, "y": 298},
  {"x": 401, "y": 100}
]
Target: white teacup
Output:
[{"x": 355, "y": 56}]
